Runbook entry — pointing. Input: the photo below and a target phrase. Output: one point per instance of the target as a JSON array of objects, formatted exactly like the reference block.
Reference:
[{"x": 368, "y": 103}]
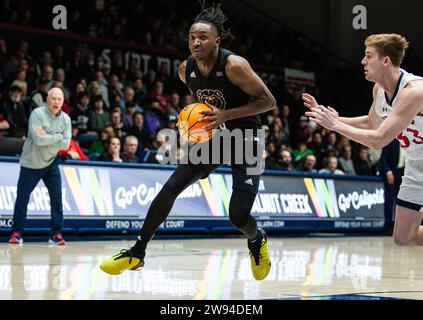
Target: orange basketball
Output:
[{"x": 189, "y": 126}]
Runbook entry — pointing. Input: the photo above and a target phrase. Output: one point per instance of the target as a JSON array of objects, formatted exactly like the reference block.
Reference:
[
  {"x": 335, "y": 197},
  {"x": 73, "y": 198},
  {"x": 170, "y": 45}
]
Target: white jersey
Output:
[{"x": 411, "y": 139}]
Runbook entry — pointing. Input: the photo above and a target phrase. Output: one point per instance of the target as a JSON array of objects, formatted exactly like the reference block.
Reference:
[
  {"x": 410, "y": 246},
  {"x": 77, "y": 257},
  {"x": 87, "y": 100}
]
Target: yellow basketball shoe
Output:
[
  {"x": 124, "y": 260},
  {"x": 260, "y": 259}
]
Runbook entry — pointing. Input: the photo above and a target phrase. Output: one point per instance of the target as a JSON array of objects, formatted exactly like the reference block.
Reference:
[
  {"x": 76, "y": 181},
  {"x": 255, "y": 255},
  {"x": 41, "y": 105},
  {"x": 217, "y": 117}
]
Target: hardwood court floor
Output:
[{"x": 302, "y": 268}]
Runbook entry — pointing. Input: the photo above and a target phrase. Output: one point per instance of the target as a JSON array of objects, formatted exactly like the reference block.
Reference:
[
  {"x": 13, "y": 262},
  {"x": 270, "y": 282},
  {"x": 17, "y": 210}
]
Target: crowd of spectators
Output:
[
  {"x": 159, "y": 24},
  {"x": 117, "y": 114}
]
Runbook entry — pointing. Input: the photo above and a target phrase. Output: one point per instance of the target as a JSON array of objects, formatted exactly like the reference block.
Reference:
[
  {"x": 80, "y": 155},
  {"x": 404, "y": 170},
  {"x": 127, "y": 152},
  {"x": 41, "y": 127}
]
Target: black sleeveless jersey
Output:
[{"x": 219, "y": 91}]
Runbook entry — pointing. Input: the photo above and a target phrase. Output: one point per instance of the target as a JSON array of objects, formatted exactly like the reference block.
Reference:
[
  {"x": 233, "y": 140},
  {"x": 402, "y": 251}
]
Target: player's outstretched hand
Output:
[
  {"x": 325, "y": 116},
  {"x": 309, "y": 101}
]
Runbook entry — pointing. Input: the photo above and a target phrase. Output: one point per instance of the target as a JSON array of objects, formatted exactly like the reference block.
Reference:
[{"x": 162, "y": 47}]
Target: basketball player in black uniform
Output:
[{"x": 226, "y": 82}]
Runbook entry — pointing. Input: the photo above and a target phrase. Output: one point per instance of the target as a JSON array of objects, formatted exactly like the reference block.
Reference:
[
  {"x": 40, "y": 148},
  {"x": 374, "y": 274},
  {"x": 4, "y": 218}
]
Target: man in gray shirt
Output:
[
  {"x": 49, "y": 130},
  {"x": 347, "y": 165},
  {"x": 332, "y": 166}
]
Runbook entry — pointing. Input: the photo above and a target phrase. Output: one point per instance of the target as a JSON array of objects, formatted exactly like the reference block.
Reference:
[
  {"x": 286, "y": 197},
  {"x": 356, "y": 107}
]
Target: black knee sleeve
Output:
[{"x": 240, "y": 207}]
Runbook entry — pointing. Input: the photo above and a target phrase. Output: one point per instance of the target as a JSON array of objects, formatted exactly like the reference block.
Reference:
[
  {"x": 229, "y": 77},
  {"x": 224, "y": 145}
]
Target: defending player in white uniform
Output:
[
  {"x": 396, "y": 112},
  {"x": 411, "y": 140}
]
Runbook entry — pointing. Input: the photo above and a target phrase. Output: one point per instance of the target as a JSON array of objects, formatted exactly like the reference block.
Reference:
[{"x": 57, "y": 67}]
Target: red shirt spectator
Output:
[
  {"x": 74, "y": 152},
  {"x": 303, "y": 133},
  {"x": 4, "y": 125},
  {"x": 67, "y": 107},
  {"x": 157, "y": 95}
]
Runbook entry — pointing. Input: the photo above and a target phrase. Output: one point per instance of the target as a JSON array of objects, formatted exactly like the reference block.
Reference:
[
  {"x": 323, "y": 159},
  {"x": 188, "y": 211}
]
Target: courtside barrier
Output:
[{"x": 101, "y": 197}]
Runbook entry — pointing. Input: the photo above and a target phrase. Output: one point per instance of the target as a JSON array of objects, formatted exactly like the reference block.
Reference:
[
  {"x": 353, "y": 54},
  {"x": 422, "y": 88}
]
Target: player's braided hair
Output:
[{"x": 214, "y": 15}]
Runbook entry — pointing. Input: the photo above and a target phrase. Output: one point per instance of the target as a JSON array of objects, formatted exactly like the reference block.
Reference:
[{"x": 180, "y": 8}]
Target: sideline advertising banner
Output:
[{"x": 108, "y": 193}]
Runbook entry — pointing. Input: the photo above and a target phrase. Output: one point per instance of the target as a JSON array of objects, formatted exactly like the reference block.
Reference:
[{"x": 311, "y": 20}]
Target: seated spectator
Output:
[
  {"x": 99, "y": 146},
  {"x": 130, "y": 147},
  {"x": 128, "y": 115},
  {"x": 266, "y": 132},
  {"x": 286, "y": 121},
  {"x": 163, "y": 74},
  {"x": 140, "y": 92},
  {"x": 116, "y": 122},
  {"x": 303, "y": 132},
  {"x": 79, "y": 88},
  {"x": 4, "y": 125},
  {"x": 74, "y": 152},
  {"x": 128, "y": 97},
  {"x": 81, "y": 112},
  {"x": 171, "y": 121},
  {"x": 115, "y": 89},
  {"x": 60, "y": 76},
  {"x": 47, "y": 74},
  {"x": 31, "y": 74},
  {"x": 14, "y": 112},
  {"x": 270, "y": 116},
  {"x": 90, "y": 62},
  {"x": 150, "y": 79},
  {"x": 153, "y": 118},
  {"x": 99, "y": 118},
  {"x": 112, "y": 153},
  {"x": 174, "y": 106},
  {"x": 301, "y": 152},
  {"x": 123, "y": 76},
  {"x": 104, "y": 92},
  {"x": 44, "y": 59},
  {"x": 271, "y": 157},
  {"x": 285, "y": 161},
  {"x": 331, "y": 142},
  {"x": 39, "y": 96},
  {"x": 94, "y": 90},
  {"x": 134, "y": 70},
  {"x": 158, "y": 94},
  {"x": 363, "y": 163},
  {"x": 188, "y": 99},
  {"x": 345, "y": 161},
  {"x": 140, "y": 132},
  {"x": 284, "y": 138},
  {"x": 59, "y": 57},
  {"x": 277, "y": 134},
  {"x": 316, "y": 145},
  {"x": 10, "y": 66},
  {"x": 332, "y": 166},
  {"x": 20, "y": 81},
  {"x": 342, "y": 141},
  {"x": 106, "y": 69},
  {"x": 284, "y": 147},
  {"x": 308, "y": 164}
]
